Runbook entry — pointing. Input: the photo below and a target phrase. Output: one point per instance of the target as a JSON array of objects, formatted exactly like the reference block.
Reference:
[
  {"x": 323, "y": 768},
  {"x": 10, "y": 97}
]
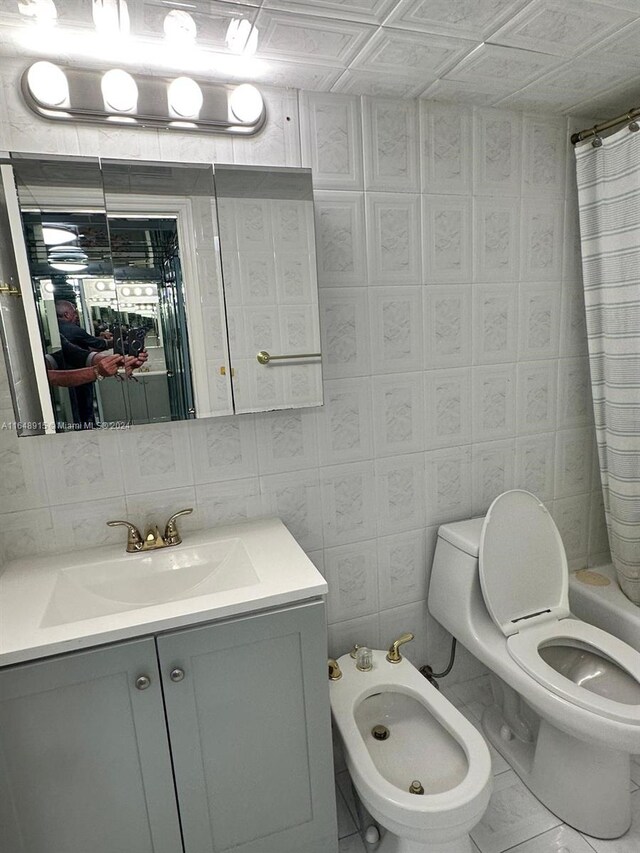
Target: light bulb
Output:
[
  {"x": 246, "y": 103},
  {"x": 119, "y": 91},
  {"x": 48, "y": 84},
  {"x": 111, "y": 17},
  {"x": 185, "y": 98},
  {"x": 100, "y": 285},
  {"x": 179, "y": 27},
  {"x": 148, "y": 291},
  {"x": 137, "y": 291}
]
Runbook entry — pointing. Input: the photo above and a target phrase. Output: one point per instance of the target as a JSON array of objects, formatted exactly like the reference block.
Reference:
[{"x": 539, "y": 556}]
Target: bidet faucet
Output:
[
  {"x": 394, "y": 655},
  {"x": 152, "y": 538}
]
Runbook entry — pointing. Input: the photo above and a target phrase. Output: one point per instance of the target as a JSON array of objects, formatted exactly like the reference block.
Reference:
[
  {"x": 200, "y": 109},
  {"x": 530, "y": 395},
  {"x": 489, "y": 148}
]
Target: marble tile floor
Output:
[{"x": 515, "y": 820}]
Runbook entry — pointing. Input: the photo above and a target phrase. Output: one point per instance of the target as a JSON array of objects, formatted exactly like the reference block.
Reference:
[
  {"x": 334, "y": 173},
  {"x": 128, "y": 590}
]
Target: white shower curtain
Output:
[{"x": 609, "y": 199}]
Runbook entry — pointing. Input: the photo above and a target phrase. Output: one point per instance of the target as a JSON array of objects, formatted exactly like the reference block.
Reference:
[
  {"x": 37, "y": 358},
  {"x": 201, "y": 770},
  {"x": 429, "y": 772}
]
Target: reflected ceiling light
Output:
[
  {"x": 185, "y": 97},
  {"x": 48, "y": 287},
  {"x": 68, "y": 258},
  {"x": 242, "y": 37},
  {"x": 48, "y": 84},
  {"x": 57, "y": 235},
  {"x": 100, "y": 285},
  {"x": 67, "y": 266},
  {"x": 111, "y": 17},
  {"x": 42, "y": 11},
  {"x": 179, "y": 27},
  {"x": 120, "y": 91},
  {"x": 246, "y": 103}
]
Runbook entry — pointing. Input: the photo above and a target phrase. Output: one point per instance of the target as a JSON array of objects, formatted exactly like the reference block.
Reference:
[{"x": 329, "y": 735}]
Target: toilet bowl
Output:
[
  {"x": 566, "y": 714},
  {"x": 422, "y": 738}
]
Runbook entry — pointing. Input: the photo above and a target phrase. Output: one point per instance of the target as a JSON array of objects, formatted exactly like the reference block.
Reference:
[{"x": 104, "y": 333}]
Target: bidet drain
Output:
[
  {"x": 416, "y": 787},
  {"x": 380, "y": 732}
]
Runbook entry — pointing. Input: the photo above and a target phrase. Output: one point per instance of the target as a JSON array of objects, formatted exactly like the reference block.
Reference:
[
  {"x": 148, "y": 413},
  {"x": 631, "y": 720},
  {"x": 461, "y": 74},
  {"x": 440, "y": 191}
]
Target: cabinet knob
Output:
[
  {"x": 142, "y": 682},
  {"x": 176, "y": 674}
]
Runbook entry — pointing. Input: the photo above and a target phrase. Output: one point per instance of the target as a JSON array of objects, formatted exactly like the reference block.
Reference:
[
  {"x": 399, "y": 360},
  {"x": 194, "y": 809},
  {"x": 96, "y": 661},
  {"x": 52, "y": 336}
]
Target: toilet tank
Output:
[{"x": 454, "y": 588}]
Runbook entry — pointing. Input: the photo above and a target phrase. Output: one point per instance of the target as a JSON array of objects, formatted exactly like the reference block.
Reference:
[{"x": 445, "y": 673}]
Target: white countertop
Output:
[{"x": 286, "y": 575}]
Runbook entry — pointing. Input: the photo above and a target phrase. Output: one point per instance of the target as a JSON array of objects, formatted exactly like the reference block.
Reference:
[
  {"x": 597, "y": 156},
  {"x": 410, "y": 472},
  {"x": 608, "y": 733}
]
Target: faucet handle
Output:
[
  {"x": 394, "y": 655},
  {"x": 171, "y": 532},
  {"x": 134, "y": 537}
]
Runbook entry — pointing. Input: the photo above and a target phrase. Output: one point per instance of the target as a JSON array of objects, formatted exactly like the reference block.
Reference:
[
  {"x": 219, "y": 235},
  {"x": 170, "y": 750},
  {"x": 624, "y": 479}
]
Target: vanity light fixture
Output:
[
  {"x": 48, "y": 84},
  {"x": 85, "y": 95},
  {"x": 120, "y": 91}
]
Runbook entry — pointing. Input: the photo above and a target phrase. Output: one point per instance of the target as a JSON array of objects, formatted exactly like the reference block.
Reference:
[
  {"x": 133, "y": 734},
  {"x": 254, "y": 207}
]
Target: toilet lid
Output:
[{"x": 522, "y": 563}]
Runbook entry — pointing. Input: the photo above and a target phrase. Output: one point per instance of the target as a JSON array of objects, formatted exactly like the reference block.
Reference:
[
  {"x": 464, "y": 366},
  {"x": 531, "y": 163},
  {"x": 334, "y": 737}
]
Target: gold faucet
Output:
[
  {"x": 394, "y": 655},
  {"x": 152, "y": 538}
]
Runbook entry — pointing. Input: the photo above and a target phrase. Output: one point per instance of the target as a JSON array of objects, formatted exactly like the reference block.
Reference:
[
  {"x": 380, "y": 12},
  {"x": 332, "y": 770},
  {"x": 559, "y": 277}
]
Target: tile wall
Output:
[{"x": 454, "y": 359}]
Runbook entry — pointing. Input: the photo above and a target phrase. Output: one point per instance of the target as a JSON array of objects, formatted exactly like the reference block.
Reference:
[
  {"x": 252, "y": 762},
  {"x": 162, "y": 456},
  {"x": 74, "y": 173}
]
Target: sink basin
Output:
[
  {"x": 133, "y": 581},
  {"x": 59, "y": 603}
]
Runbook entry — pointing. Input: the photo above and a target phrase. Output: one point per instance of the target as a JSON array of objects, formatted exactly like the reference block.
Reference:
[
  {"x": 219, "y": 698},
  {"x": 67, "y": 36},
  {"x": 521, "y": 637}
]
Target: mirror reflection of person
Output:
[{"x": 70, "y": 328}]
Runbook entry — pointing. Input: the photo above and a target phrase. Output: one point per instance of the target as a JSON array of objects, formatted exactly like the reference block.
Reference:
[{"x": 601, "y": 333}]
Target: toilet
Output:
[
  {"x": 566, "y": 712},
  {"x": 398, "y": 731}
]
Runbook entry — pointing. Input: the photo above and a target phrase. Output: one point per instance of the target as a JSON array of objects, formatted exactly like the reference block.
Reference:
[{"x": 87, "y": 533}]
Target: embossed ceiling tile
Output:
[
  {"x": 297, "y": 75},
  {"x": 462, "y": 93},
  {"x": 377, "y": 85},
  {"x": 609, "y": 103},
  {"x": 619, "y": 49},
  {"x": 464, "y": 18},
  {"x": 415, "y": 55},
  {"x": 585, "y": 75},
  {"x": 502, "y": 67},
  {"x": 536, "y": 99},
  {"x": 306, "y": 39},
  {"x": 367, "y": 11},
  {"x": 561, "y": 27}
]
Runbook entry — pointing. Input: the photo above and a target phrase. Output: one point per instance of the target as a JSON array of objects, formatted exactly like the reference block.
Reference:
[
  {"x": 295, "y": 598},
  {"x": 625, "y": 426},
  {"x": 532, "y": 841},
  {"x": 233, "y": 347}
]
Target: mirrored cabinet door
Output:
[
  {"x": 267, "y": 243},
  {"x": 151, "y": 293}
]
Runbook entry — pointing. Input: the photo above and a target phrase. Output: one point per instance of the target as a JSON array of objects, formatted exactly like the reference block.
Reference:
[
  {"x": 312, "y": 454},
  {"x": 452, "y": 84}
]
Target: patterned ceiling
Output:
[{"x": 569, "y": 56}]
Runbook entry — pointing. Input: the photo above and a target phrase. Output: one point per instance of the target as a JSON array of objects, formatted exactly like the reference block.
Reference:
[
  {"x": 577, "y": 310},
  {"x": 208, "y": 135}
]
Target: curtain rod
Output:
[{"x": 605, "y": 125}]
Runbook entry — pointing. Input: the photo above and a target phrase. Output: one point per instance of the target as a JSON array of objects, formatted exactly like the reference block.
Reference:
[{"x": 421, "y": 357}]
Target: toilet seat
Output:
[
  {"x": 524, "y": 579},
  {"x": 524, "y": 649}
]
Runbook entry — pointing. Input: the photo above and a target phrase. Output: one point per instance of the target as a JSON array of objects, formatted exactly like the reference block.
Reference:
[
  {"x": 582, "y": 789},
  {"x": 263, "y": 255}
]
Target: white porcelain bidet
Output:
[{"x": 401, "y": 735}]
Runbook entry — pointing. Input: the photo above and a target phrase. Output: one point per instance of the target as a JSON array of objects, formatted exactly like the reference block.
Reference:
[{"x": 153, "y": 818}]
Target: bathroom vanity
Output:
[{"x": 199, "y": 723}]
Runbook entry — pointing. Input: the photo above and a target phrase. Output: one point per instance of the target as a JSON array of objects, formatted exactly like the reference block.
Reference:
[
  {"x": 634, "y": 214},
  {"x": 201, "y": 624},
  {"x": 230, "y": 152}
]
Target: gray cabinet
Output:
[
  {"x": 84, "y": 756},
  {"x": 248, "y": 717},
  {"x": 238, "y": 732}
]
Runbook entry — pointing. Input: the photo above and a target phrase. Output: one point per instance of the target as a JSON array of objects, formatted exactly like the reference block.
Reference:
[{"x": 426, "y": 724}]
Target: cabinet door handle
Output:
[
  {"x": 176, "y": 674},
  {"x": 142, "y": 682}
]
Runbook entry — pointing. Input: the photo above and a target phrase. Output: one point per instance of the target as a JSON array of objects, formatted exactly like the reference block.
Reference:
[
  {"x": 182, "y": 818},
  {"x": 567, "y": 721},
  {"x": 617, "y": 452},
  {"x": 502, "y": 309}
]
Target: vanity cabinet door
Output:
[
  {"x": 84, "y": 756},
  {"x": 248, "y": 712}
]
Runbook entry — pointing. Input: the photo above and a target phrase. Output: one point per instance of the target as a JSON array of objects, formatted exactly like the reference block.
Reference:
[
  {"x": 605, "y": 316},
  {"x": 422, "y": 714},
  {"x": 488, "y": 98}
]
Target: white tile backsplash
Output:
[{"x": 453, "y": 336}]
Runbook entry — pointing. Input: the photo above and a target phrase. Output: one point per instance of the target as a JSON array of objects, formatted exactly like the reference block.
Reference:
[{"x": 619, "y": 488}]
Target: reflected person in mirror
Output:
[{"x": 70, "y": 328}]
